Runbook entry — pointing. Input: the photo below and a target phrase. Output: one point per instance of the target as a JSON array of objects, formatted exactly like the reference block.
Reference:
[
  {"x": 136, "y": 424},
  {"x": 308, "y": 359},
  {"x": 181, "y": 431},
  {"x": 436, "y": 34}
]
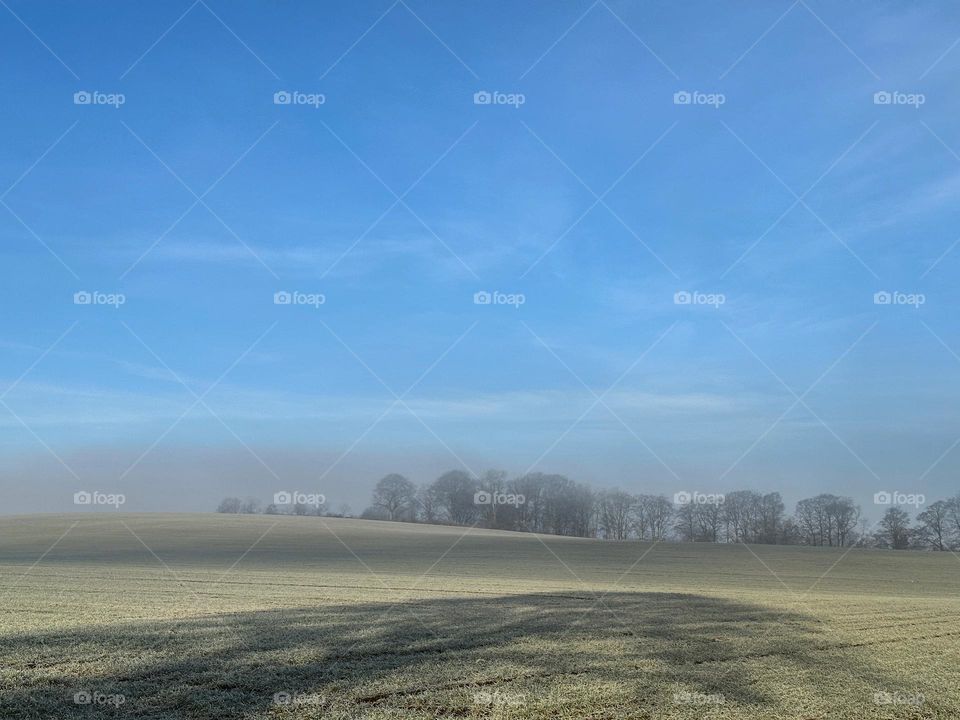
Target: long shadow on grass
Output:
[{"x": 431, "y": 658}]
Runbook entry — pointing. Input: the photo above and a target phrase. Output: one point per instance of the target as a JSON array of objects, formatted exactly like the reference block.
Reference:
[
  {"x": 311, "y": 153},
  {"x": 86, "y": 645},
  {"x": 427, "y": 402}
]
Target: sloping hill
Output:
[{"x": 214, "y": 615}]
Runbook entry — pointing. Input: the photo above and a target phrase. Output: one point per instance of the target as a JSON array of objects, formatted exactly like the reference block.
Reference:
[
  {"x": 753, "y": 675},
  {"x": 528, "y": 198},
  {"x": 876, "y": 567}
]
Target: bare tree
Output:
[
  {"x": 827, "y": 519},
  {"x": 953, "y": 520},
  {"x": 616, "y": 513},
  {"x": 935, "y": 526},
  {"x": 396, "y": 495},
  {"x": 230, "y": 505},
  {"x": 769, "y": 518},
  {"x": 492, "y": 484},
  {"x": 642, "y": 516},
  {"x": 428, "y": 504},
  {"x": 530, "y": 515},
  {"x": 250, "y": 506},
  {"x": 568, "y": 507},
  {"x": 686, "y": 522},
  {"x": 845, "y": 516},
  {"x": 709, "y": 517},
  {"x": 660, "y": 512},
  {"x": 894, "y": 529},
  {"x": 790, "y": 533},
  {"x": 454, "y": 493},
  {"x": 740, "y": 509}
]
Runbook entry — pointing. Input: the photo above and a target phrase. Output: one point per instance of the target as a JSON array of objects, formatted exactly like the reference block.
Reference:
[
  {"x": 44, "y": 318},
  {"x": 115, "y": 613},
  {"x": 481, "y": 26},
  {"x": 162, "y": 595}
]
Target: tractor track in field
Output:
[
  {"x": 207, "y": 581},
  {"x": 821, "y": 648},
  {"x": 408, "y": 692},
  {"x": 937, "y": 620}
]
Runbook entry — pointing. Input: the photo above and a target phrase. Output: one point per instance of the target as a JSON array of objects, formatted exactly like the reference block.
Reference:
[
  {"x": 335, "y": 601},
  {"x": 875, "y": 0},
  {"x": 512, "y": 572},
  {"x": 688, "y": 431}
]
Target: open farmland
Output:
[{"x": 212, "y": 616}]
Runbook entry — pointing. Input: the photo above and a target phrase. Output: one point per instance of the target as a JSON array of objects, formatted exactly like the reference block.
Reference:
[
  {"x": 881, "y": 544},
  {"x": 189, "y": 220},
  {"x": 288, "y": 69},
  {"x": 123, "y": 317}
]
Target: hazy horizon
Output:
[{"x": 197, "y": 479}]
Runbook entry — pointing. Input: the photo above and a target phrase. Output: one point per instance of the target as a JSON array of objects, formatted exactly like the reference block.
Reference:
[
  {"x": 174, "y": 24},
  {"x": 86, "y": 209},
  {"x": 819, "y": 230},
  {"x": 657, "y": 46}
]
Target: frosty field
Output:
[{"x": 212, "y": 616}]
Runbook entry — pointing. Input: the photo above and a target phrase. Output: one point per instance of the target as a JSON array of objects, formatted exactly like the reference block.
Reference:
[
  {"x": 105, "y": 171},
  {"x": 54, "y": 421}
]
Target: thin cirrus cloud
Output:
[
  {"x": 66, "y": 406},
  {"x": 347, "y": 256}
]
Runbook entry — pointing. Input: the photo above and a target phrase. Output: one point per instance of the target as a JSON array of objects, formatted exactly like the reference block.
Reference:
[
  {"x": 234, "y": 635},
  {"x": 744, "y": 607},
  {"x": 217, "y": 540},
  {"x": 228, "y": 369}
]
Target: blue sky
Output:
[{"x": 796, "y": 198}]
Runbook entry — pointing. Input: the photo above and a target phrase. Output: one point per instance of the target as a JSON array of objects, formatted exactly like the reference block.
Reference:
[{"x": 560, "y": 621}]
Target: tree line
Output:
[{"x": 555, "y": 504}]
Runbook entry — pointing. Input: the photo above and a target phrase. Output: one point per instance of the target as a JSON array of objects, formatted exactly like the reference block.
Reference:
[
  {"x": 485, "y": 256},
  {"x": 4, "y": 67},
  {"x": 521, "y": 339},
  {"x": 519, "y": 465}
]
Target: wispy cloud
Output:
[
  {"x": 368, "y": 256},
  {"x": 66, "y": 405}
]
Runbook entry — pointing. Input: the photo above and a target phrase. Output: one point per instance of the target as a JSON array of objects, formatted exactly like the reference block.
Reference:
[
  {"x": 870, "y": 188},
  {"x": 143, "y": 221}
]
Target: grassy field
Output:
[{"x": 212, "y": 616}]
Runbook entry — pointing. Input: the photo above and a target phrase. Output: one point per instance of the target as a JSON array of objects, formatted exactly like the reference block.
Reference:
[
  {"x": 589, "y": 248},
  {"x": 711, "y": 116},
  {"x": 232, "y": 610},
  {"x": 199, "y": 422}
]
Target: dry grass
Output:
[{"x": 380, "y": 620}]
